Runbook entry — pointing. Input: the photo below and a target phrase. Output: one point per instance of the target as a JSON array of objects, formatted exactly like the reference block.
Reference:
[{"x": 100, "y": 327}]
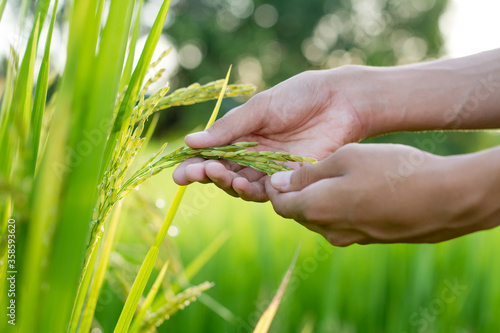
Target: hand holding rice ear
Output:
[
  {"x": 296, "y": 116},
  {"x": 367, "y": 193}
]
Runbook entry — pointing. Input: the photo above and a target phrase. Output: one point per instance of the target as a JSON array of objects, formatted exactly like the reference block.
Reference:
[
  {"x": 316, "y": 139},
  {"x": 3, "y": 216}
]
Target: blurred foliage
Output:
[
  {"x": 271, "y": 41},
  {"x": 375, "y": 288}
]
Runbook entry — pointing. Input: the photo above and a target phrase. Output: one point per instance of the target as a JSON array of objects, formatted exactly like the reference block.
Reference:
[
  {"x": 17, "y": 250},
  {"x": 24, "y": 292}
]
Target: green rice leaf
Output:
[
  {"x": 82, "y": 293},
  {"x": 6, "y": 114},
  {"x": 24, "y": 84},
  {"x": 201, "y": 260},
  {"x": 147, "y": 267},
  {"x": 146, "y": 305},
  {"x": 86, "y": 98},
  {"x": 40, "y": 96},
  {"x": 219, "y": 101},
  {"x": 41, "y": 12},
  {"x": 88, "y": 312},
  {"x": 150, "y": 131},
  {"x": 2, "y": 7},
  {"x": 267, "y": 317},
  {"x": 127, "y": 70}
]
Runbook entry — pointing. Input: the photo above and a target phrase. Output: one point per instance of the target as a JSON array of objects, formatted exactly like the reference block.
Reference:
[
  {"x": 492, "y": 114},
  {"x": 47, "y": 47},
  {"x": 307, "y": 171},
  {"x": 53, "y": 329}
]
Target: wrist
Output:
[
  {"x": 472, "y": 184},
  {"x": 370, "y": 102},
  {"x": 407, "y": 98},
  {"x": 444, "y": 94}
]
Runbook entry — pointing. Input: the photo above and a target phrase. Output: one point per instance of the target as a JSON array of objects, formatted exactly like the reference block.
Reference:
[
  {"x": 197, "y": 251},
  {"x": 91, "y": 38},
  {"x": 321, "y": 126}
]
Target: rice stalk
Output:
[{"x": 146, "y": 305}]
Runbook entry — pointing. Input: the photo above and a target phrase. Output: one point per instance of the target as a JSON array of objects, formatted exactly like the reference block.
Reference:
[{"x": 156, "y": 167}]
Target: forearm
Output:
[
  {"x": 473, "y": 186},
  {"x": 461, "y": 93}
]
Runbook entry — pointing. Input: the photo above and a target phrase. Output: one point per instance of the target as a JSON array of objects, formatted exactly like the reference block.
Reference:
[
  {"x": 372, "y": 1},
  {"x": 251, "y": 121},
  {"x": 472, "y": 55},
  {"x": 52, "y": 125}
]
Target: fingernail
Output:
[
  {"x": 281, "y": 179},
  {"x": 198, "y": 136}
]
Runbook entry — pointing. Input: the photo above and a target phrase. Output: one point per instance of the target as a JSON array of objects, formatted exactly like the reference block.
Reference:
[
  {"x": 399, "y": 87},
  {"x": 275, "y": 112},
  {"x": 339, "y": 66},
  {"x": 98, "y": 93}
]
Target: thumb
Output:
[
  {"x": 240, "y": 121},
  {"x": 296, "y": 180}
]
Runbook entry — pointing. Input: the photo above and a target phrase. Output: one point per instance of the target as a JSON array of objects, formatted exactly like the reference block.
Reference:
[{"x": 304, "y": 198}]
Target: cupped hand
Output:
[
  {"x": 305, "y": 115},
  {"x": 379, "y": 193}
]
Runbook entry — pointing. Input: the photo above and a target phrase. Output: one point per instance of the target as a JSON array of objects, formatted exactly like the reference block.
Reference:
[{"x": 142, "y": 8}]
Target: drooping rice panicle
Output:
[
  {"x": 196, "y": 93},
  {"x": 171, "y": 306}
]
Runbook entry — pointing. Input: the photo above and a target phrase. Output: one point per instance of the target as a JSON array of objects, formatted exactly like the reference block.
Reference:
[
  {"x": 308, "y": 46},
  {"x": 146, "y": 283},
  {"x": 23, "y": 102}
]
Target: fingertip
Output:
[
  {"x": 215, "y": 170},
  {"x": 179, "y": 176},
  {"x": 281, "y": 180},
  {"x": 195, "y": 172},
  {"x": 198, "y": 140},
  {"x": 240, "y": 185}
]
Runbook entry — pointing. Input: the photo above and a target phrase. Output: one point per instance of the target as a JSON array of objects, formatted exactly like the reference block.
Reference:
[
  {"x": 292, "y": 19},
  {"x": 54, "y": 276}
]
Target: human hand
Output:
[
  {"x": 384, "y": 193},
  {"x": 305, "y": 115}
]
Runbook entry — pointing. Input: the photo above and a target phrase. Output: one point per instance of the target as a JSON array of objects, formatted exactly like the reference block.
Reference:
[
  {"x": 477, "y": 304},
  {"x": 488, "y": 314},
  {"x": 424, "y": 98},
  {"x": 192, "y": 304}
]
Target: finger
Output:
[
  {"x": 179, "y": 175},
  {"x": 240, "y": 121},
  {"x": 247, "y": 181},
  {"x": 296, "y": 180},
  {"x": 286, "y": 204},
  {"x": 250, "y": 191},
  {"x": 335, "y": 165},
  {"x": 196, "y": 173},
  {"x": 250, "y": 174},
  {"x": 221, "y": 177}
]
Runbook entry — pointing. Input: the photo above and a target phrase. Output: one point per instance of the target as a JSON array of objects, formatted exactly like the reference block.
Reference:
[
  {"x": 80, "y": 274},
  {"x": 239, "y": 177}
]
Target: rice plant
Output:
[{"x": 67, "y": 163}]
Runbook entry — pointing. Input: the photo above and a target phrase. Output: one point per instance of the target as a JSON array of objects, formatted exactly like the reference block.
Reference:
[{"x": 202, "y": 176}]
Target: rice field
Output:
[
  {"x": 447, "y": 287},
  {"x": 90, "y": 243}
]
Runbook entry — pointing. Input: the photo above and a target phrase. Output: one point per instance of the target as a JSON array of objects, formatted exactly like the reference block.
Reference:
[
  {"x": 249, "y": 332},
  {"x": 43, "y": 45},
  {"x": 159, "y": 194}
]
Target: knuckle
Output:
[
  {"x": 310, "y": 215},
  {"x": 279, "y": 211},
  {"x": 337, "y": 239},
  {"x": 257, "y": 102},
  {"x": 302, "y": 176},
  {"x": 350, "y": 147}
]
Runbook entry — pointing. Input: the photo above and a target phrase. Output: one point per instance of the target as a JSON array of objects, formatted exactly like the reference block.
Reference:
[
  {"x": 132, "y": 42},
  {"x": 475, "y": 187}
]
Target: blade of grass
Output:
[
  {"x": 90, "y": 102},
  {"x": 136, "y": 324},
  {"x": 127, "y": 70},
  {"x": 267, "y": 317},
  {"x": 45, "y": 195},
  {"x": 2, "y": 7},
  {"x": 201, "y": 260},
  {"x": 88, "y": 312},
  {"x": 24, "y": 84},
  {"x": 151, "y": 129},
  {"x": 22, "y": 106},
  {"x": 41, "y": 12},
  {"x": 219, "y": 100},
  {"x": 40, "y": 96},
  {"x": 146, "y": 267},
  {"x": 81, "y": 294},
  {"x": 7, "y": 151},
  {"x": 148, "y": 263}
]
